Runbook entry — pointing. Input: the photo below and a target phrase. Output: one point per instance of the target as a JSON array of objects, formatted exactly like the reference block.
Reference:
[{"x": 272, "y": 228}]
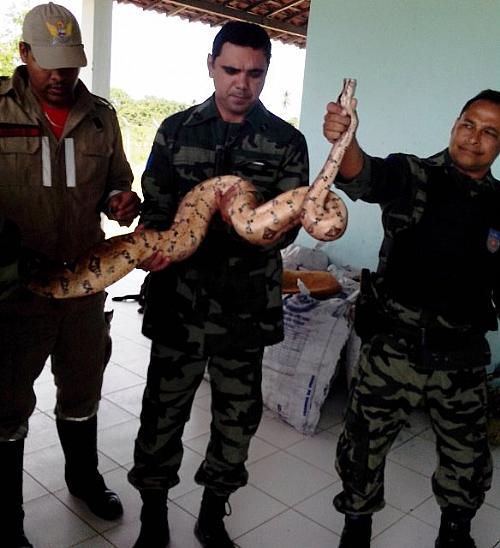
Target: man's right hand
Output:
[
  {"x": 156, "y": 262},
  {"x": 336, "y": 121}
]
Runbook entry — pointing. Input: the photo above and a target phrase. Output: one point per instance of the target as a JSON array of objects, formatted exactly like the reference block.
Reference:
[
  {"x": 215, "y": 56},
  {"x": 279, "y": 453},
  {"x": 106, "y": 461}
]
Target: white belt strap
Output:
[
  {"x": 46, "y": 169},
  {"x": 69, "y": 156}
]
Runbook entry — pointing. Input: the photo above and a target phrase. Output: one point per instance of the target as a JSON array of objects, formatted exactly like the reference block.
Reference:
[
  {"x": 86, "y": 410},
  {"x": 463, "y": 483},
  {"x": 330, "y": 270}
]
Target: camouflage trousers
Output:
[
  {"x": 173, "y": 378},
  {"x": 387, "y": 386}
]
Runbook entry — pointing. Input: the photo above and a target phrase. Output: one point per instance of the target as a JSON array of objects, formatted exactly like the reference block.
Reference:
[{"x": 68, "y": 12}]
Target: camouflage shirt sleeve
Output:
[
  {"x": 159, "y": 190},
  {"x": 380, "y": 181}
]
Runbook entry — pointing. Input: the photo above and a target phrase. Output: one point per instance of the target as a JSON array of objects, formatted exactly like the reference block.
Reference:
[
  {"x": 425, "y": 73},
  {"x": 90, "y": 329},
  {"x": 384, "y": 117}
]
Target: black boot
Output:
[
  {"x": 11, "y": 495},
  {"x": 79, "y": 443},
  {"x": 454, "y": 531},
  {"x": 154, "y": 520},
  {"x": 357, "y": 531},
  {"x": 209, "y": 528}
]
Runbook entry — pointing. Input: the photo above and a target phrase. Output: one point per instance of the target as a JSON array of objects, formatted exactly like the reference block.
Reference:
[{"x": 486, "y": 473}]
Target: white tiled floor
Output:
[{"x": 292, "y": 479}]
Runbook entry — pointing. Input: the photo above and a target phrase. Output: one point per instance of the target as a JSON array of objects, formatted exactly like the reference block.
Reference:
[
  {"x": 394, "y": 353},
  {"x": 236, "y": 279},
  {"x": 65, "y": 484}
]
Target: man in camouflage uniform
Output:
[
  {"x": 222, "y": 306},
  {"x": 422, "y": 323}
]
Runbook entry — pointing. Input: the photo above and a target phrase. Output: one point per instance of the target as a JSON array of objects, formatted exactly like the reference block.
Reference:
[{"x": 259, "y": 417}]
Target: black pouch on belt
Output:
[{"x": 367, "y": 316}]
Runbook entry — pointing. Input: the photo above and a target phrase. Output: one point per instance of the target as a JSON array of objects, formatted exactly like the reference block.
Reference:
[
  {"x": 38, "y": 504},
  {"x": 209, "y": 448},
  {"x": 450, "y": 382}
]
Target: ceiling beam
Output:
[{"x": 233, "y": 13}]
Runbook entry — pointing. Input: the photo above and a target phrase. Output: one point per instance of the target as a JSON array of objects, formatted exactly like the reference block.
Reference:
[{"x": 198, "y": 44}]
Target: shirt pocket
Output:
[
  {"x": 192, "y": 165},
  {"x": 20, "y": 162},
  {"x": 261, "y": 169},
  {"x": 93, "y": 159}
]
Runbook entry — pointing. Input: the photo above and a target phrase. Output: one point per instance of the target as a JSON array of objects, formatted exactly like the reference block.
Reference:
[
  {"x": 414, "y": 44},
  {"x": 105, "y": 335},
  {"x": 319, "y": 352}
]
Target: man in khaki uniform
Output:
[{"x": 62, "y": 163}]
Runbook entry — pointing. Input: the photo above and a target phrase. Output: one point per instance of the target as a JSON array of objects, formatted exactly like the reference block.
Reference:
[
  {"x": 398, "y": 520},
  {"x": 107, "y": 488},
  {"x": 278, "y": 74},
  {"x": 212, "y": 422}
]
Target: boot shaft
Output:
[
  {"x": 213, "y": 506},
  {"x": 454, "y": 531},
  {"x": 11, "y": 474},
  {"x": 209, "y": 528},
  {"x": 154, "y": 506},
  {"x": 357, "y": 531},
  {"x": 11, "y": 494},
  {"x": 154, "y": 532},
  {"x": 79, "y": 445},
  {"x": 78, "y": 440}
]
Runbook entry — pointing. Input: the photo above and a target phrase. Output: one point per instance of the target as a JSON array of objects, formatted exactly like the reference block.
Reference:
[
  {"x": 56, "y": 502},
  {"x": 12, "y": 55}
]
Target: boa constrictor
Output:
[{"x": 322, "y": 213}]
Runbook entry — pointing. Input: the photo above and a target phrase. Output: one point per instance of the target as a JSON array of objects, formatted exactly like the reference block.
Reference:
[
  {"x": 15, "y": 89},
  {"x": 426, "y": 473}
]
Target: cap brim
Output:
[{"x": 56, "y": 57}]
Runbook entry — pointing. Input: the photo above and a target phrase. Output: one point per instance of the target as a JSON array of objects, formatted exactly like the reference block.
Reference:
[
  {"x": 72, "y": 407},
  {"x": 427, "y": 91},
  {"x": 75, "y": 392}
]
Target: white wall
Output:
[{"x": 417, "y": 62}]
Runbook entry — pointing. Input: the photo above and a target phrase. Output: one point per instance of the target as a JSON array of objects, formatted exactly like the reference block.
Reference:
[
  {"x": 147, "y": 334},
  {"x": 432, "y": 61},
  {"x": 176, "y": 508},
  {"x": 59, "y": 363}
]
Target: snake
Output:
[{"x": 322, "y": 213}]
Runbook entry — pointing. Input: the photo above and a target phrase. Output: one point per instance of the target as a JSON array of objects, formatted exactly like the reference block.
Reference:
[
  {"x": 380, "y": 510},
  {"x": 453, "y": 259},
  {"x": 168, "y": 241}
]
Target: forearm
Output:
[{"x": 352, "y": 163}]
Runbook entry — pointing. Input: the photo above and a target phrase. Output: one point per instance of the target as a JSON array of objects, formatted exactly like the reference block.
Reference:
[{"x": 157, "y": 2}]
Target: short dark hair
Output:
[
  {"x": 490, "y": 95},
  {"x": 242, "y": 34}
]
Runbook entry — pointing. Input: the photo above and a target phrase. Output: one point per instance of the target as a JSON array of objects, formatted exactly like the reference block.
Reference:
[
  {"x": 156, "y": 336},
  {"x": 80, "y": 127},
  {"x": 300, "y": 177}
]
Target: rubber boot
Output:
[
  {"x": 209, "y": 528},
  {"x": 357, "y": 531},
  {"x": 454, "y": 531},
  {"x": 79, "y": 443},
  {"x": 11, "y": 495},
  {"x": 154, "y": 520}
]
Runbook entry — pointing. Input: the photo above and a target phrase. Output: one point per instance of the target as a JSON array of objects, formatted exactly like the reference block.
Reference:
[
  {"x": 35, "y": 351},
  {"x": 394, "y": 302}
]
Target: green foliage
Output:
[
  {"x": 139, "y": 119},
  {"x": 146, "y": 112},
  {"x": 10, "y": 34}
]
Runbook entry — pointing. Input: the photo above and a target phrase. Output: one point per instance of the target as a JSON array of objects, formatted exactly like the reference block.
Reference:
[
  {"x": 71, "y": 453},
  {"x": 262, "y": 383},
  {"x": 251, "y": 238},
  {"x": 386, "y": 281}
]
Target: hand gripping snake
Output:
[{"x": 322, "y": 213}]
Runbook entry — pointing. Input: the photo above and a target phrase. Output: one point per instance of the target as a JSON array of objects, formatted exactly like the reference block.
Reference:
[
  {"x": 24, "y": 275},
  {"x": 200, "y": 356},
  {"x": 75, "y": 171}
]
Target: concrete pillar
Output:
[{"x": 97, "y": 24}]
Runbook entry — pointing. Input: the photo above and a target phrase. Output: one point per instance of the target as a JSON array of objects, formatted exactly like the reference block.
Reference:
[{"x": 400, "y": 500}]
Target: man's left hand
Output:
[{"x": 124, "y": 207}]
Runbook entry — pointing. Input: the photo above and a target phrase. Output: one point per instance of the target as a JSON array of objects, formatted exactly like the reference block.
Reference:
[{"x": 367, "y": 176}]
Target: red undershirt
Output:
[{"x": 56, "y": 117}]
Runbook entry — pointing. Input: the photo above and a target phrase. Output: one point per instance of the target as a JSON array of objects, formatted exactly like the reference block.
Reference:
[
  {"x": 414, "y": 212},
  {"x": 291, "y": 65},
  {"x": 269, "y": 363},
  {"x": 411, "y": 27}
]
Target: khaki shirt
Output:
[{"x": 54, "y": 190}]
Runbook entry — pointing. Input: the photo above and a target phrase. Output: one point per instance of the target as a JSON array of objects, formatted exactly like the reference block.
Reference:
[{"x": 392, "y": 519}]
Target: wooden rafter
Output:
[{"x": 284, "y": 20}]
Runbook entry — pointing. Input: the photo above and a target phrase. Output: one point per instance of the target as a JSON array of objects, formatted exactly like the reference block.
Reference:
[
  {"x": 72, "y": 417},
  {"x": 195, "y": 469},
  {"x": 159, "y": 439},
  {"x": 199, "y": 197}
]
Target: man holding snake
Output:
[
  {"x": 219, "y": 308},
  {"x": 423, "y": 329}
]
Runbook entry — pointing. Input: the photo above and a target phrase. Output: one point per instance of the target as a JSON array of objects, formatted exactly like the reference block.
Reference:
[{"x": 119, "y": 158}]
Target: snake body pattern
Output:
[{"x": 322, "y": 213}]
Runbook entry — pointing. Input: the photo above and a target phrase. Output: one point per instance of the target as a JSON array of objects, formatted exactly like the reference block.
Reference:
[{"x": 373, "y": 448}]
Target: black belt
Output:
[
  {"x": 443, "y": 348},
  {"x": 439, "y": 338}
]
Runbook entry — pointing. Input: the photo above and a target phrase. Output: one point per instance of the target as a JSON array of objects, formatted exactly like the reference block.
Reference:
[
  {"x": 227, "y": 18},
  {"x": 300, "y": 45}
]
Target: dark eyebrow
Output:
[
  {"x": 256, "y": 71},
  {"x": 253, "y": 71}
]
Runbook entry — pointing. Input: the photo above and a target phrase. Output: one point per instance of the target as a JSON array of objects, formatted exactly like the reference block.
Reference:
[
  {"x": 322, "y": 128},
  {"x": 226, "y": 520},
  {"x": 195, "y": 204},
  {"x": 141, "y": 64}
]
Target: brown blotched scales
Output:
[{"x": 322, "y": 213}]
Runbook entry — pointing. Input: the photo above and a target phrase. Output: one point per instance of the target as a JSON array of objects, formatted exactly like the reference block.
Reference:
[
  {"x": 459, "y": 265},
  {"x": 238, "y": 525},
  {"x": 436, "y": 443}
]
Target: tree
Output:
[
  {"x": 10, "y": 34},
  {"x": 146, "y": 112},
  {"x": 139, "y": 119}
]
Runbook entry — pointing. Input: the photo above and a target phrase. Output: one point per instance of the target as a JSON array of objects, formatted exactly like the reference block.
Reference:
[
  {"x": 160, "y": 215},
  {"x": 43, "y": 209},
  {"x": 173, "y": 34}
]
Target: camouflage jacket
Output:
[
  {"x": 441, "y": 249},
  {"x": 228, "y": 294}
]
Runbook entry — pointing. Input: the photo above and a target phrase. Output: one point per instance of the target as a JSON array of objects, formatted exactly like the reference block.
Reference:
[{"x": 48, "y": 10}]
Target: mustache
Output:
[{"x": 60, "y": 86}]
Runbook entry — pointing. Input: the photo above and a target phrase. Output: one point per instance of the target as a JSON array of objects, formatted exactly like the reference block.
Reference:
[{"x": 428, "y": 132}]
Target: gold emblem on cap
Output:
[{"x": 60, "y": 32}]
